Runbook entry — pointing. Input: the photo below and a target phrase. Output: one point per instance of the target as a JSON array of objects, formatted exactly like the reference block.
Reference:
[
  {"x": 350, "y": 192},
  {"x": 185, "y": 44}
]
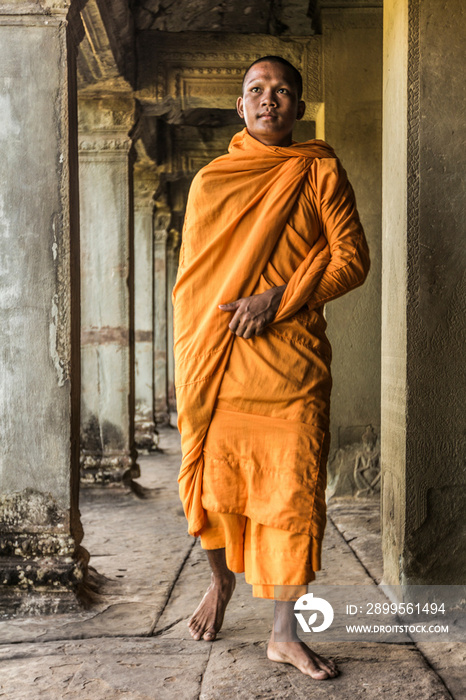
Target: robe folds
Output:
[{"x": 254, "y": 413}]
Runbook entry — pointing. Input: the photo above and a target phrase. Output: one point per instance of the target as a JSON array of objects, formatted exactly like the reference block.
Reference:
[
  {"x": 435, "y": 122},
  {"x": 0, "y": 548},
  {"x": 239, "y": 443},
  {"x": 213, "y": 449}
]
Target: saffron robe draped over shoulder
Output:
[{"x": 257, "y": 217}]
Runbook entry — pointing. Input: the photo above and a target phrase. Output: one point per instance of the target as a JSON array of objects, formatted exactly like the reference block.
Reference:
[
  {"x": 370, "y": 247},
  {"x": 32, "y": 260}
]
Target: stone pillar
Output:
[
  {"x": 173, "y": 253},
  {"x": 161, "y": 224},
  {"x": 144, "y": 189},
  {"x": 352, "y": 77},
  {"x": 107, "y": 291},
  {"x": 40, "y": 527},
  {"x": 424, "y": 293}
]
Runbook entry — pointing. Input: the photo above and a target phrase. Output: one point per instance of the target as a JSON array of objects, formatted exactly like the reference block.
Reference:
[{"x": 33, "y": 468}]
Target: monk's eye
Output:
[
  {"x": 284, "y": 90},
  {"x": 255, "y": 89}
]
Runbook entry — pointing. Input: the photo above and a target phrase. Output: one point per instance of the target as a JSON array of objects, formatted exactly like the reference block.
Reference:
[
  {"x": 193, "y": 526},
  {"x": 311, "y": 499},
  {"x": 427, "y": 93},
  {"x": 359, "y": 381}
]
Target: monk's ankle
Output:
[{"x": 223, "y": 581}]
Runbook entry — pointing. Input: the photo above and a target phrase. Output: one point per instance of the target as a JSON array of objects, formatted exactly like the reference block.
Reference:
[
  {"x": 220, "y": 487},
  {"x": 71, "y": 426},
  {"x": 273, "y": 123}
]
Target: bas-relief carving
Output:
[
  {"x": 162, "y": 218},
  {"x": 367, "y": 465},
  {"x": 100, "y": 143},
  {"x": 105, "y": 126},
  {"x": 354, "y": 470},
  {"x": 199, "y": 78}
]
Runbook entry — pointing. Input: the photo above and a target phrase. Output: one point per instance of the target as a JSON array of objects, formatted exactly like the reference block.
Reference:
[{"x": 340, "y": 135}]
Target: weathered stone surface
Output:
[
  {"x": 368, "y": 671},
  {"x": 40, "y": 528},
  {"x": 242, "y": 16},
  {"x": 173, "y": 253},
  {"x": 106, "y": 61},
  {"x": 138, "y": 566},
  {"x": 359, "y": 524},
  {"x": 353, "y": 126},
  {"x": 161, "y": 227},
  {"x": 424, "y": 295},
  {"x": 107, "y": 291},
  {"x": 146, "y": 183},
  {"x": 133, "y": 669}
]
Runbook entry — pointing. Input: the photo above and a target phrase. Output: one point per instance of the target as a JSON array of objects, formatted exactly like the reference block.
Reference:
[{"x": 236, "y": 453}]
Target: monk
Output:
[{"x": 271, "y": 234}]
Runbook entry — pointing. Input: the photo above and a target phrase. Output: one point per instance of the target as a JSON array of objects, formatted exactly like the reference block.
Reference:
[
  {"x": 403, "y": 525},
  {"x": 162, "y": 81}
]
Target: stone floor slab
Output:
[
  {"x": 103, "y": 669},
  {"x": 368, "y": 672}
]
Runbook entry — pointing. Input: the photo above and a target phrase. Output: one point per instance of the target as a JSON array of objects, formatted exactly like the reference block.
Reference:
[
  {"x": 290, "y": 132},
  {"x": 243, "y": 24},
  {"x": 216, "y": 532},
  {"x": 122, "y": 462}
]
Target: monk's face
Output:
[{"x": 269, "y": 104}]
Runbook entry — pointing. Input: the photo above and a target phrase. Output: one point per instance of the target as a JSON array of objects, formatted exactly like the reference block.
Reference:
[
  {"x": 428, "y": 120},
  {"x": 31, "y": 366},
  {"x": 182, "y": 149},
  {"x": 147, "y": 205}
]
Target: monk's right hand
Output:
[{"x": 253, "y": 314}]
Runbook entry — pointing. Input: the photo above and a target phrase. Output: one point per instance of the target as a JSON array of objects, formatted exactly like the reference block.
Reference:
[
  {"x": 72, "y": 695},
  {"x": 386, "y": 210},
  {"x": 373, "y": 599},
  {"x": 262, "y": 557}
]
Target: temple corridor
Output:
[{"x": 108, "y": 108}]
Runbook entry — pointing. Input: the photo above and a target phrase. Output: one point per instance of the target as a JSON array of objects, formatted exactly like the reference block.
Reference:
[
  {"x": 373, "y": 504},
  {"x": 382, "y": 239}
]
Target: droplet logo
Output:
[{"x": 308, "y": 603}]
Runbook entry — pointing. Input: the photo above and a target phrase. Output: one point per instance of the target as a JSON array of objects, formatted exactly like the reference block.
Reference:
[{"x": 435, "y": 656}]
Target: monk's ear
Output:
[
  {"x": 239, "y": 107},
  {"x": 301, "y": 109}
]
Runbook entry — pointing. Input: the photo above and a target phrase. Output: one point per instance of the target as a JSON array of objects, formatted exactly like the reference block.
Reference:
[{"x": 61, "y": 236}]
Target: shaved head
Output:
[{"x": 294, "y": 72}]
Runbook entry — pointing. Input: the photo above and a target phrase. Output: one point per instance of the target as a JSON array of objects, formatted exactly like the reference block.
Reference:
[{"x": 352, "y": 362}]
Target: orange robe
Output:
[{"x": 254, "y": 414}]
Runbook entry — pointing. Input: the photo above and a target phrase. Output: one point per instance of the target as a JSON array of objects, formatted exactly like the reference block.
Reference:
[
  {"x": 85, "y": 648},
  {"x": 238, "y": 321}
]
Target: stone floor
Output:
[{"x": 133, "y": 643}]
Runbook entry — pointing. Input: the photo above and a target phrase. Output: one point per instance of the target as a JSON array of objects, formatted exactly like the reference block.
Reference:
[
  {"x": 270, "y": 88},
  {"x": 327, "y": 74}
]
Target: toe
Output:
[
  {"x": 328, "y": 666},
  {"x": 209, "y": 635}
]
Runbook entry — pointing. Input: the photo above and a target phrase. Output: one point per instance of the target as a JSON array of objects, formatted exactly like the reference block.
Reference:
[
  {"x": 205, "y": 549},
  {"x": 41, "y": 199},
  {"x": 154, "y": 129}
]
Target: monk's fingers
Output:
[
  {"x": 235, "y": 321},
  {"x": 261, "y": 325},
  {"x": 240, "y": 321},
  {"x": 232, "y": 306},
  {"x": 248, "y": 332}
]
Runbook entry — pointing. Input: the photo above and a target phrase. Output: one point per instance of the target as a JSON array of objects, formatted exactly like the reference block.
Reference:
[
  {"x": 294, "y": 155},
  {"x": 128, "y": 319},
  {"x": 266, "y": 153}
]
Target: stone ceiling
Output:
[{"x": 239, "y": 16}]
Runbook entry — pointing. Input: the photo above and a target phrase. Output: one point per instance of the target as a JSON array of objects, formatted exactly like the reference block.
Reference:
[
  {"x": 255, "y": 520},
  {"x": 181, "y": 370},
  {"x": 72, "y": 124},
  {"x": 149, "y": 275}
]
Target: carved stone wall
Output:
[
  {"x": 40, "y": 527},
  {"x": 424, "y": 298},
  {"x": 178, "y": 74}
]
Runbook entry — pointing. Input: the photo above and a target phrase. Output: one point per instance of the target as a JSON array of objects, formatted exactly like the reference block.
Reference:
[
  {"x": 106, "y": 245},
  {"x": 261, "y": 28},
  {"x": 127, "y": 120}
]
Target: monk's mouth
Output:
[{"x": 268, "y": 115}]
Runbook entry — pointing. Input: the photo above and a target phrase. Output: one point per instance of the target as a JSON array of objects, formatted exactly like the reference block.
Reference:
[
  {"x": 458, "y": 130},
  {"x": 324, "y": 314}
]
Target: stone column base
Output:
[
  {"x": 146, "y": 436},
  {"x": 108, "y": 469},
  {"x": 162, "y": 418},
  {"x": 40, "y": 573}
]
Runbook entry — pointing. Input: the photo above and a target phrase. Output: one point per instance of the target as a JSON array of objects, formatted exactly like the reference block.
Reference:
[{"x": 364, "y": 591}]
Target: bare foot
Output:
[
  {"x": 207, "y": 619},
  {"x": 307, "y": 661}
]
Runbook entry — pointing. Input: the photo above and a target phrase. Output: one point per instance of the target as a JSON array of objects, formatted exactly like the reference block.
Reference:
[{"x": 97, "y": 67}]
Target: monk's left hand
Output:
[{"x": 254, "y": 313}]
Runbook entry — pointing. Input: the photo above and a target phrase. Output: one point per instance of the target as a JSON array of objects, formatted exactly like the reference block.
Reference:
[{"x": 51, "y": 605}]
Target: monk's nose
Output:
[{"x": 268, "y": 98}]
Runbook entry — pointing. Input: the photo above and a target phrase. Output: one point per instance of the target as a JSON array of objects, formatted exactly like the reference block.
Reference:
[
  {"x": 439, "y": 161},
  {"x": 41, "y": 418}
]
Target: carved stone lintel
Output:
[
  {"x": 208, "y": 71},
  {"x": 104, "y": 125},
  {"x": 98, "y": 469}
]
